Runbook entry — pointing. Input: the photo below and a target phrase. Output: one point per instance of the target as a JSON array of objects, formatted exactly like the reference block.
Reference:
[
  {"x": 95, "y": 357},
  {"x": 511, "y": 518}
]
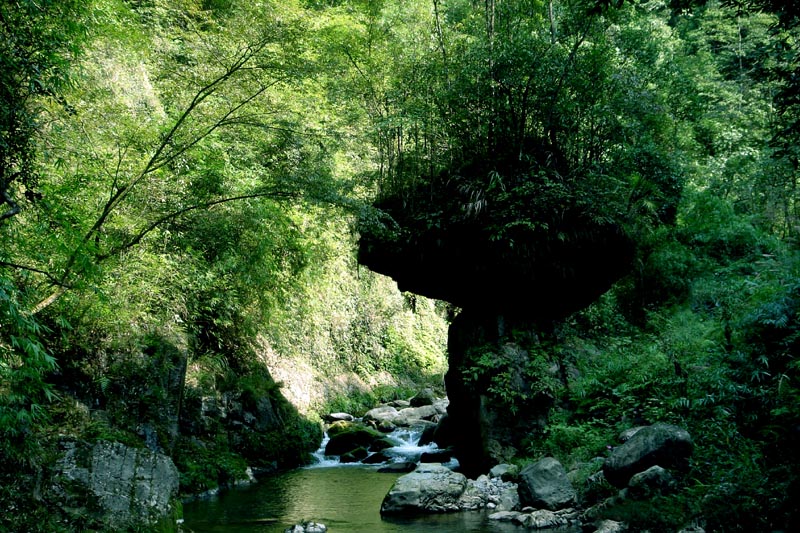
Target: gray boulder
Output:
[
  {"x": 542, "y": 519},
  {"x": 545, "y": 485},
  {"x": 335, "y": 417},
  {"x": 129, "y": 487},
  {"x": 376, "y": 458},
  {"x": 504, "y": 516},
  {"x": 628, "y": 433},
  {"x": 413, "y": 416},
  {"x": 505, "y": 472},
  {"x": 441, "y": 405},
  {"x": 429, "y": 489},
  {"x": 660, "y": 444},
  {"x": 424, "y": 397},
  {"x": 654, "y": 481},
  {"x": 384, "y": 413},
  {"x": 354, "y": 456}
]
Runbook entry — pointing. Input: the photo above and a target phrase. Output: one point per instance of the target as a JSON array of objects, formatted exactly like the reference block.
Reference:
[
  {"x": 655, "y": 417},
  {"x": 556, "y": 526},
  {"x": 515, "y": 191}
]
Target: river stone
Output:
[
  {"x": 132, "y": 487},
  {"x": 545, "y": 485},
  {"x": 504, "y": 516},
  {"x": 505, "y": 472},
  {"x": 342, "y": 442},
  {"x": 376, "y": 458},
  {"x": 398, "y": 468},
  {"x": 411, "y": 416},
  {"x": 335, "y": 417},
  {"x": 665, "y": 445},
  {"x": 354, "y": 456},
  {"x": 508, "y": 499},
  {"x": 441, "y": 456},
  {"x": 610, "y": 526},
  {"x": 307, "y": 527},
  {"x": 383, "y": 443},
  {"x": 427, "y": 435},
  {"x": 380, "y": 414},
  {"x": 423, "y": 397},
  {"x": 341, "y": 426},
  {"x": 652, "y": 482},
  {"x": 429, "y": 489},
  {"x": 542, "y": 519},
  {"x": 441, "y": 406}
]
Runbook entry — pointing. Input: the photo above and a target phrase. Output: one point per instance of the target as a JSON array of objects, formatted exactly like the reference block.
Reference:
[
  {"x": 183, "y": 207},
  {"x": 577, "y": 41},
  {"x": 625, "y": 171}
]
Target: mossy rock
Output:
[
  {"x": 376, "y": 458},
  {"x": 342, "y": 426},
  {"x": 381, "y": 444},
  {"x": 423, "y": 397},
  {"x": 348, "y": 440},
  {"x": 359, "y": 454}
]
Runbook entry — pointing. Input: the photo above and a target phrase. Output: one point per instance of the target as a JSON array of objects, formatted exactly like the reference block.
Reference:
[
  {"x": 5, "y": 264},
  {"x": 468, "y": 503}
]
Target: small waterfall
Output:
[
  {"x": 322, "y": 460},
  {"x": 406, "y": 449}
]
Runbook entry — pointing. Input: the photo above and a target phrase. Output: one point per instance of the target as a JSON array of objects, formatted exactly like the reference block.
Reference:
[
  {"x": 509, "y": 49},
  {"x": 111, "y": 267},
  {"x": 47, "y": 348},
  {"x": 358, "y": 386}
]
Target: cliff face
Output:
[{"x": 507, "y": 274}]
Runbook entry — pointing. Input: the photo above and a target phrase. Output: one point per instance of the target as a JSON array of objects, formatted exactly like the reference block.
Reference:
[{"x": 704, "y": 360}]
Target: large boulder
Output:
[
  {"x": 423, "y": 397},
  {"x": 664, "y": 445},
  {"x": 505, "y": 472},
  {"x": 415, "y": 416},
  {"x": 430, "y": 488},
  {"x": 384, "y": 413},
  {"x": 350, "y": 439},
  {"x": 129, "y": 488},
  {"x": 433, "y": 488},
  {"x": 405, "y": 417},
  {"x": 654, "y": 481},
  {"x": 544, "y": 485}
]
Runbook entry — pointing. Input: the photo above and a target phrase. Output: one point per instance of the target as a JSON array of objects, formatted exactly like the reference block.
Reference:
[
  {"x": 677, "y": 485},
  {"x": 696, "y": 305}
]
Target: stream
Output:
[{"x": 346, "y": 498}]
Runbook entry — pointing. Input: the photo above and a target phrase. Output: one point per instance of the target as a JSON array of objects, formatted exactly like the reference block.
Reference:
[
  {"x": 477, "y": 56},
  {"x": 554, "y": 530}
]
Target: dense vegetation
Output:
[{"x": 181, "y": 184}]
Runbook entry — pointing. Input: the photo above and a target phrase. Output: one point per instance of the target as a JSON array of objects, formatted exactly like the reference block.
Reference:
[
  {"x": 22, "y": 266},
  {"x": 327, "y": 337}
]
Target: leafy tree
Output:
[{"x": 38, "y": 41}]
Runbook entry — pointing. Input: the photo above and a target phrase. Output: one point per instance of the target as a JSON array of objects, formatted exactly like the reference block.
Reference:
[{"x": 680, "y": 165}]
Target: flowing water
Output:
[{"x": 346, "y": 498}]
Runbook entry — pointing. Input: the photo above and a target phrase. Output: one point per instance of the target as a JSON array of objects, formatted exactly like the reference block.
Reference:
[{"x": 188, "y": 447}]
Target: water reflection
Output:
[{"x": 345, "y": 499}]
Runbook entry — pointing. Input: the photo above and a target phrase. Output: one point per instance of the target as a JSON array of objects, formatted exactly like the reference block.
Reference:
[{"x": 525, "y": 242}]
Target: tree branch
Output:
[
  {"x": 158, "y": 159},
  {"x": 171, "y": 216},
  {"x": 48, "y": 275}
]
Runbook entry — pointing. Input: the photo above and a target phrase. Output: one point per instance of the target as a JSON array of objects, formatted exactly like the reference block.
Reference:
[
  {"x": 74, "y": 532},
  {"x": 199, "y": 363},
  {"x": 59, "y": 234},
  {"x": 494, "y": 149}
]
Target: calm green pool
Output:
[{"x": 345, "y": 498}]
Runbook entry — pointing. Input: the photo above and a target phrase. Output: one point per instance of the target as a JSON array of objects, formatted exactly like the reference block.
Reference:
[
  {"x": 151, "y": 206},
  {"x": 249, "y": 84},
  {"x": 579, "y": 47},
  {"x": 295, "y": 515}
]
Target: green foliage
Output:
[
  {"x": 713, "y": 228},
  {"x": 204, "y": 468},
  {"x": 571, "y": 442},
  {"x": 714, "y": 357},
  {"x": 515, "y": 379},
  {"x": 39, "y": 40},
  {"x": 24, "y": 366},
  {"x": 663, "y": 514}
]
